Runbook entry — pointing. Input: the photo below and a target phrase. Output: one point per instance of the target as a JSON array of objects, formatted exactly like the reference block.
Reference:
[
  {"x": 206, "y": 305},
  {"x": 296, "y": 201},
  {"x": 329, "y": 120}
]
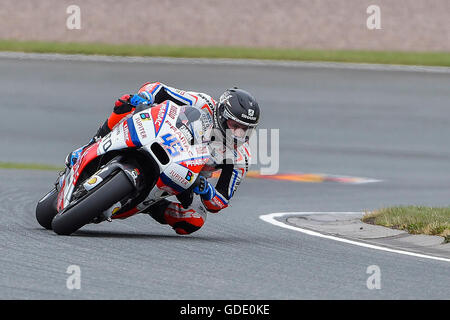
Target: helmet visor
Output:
[{"x": 238, "y": 130}]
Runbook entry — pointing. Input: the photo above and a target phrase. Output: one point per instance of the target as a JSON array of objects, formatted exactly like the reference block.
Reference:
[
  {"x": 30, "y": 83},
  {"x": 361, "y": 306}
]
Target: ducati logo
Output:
[{"x": 251, "y": 112}]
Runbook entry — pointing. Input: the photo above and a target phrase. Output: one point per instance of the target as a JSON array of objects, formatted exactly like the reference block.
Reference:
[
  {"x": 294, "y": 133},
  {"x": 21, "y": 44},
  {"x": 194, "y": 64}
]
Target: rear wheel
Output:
[
  {"x": 93, "y": 204},
  {"x": 46, "y": 209}
]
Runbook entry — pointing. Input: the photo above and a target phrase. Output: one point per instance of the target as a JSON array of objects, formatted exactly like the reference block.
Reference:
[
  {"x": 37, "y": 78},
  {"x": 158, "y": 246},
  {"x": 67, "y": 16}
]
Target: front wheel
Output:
[
  {"x": 46, "y": 209},
  {"x": 92, "y": 205}
]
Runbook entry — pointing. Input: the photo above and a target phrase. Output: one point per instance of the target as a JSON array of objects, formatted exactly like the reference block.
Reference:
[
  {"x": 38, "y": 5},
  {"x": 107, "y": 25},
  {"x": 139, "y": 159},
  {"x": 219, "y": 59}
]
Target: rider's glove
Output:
[
  {"x": 141, "y": 98},
  {"x": 204, "y": 189},
  {"x": 122, "y": 100}
]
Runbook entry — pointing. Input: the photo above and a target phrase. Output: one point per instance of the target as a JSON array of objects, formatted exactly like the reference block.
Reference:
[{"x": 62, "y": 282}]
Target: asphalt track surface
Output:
[{"x": 387, "y": 125}]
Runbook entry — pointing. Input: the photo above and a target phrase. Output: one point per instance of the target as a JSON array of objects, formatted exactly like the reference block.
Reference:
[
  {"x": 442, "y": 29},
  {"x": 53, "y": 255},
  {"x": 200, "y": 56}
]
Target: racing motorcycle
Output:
[{"x": 154, "y": 153}]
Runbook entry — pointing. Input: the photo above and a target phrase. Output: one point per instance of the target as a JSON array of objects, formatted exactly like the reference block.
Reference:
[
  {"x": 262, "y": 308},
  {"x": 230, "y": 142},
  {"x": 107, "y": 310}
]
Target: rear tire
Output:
[
  {"x": 94, "y": 203},
  {"x": 46, "y": 209}
]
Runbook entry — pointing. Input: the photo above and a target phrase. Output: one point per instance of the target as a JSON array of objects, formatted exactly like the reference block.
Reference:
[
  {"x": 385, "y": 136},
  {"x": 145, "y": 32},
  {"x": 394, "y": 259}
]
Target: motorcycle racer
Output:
[{"x": 234, "y": 119}]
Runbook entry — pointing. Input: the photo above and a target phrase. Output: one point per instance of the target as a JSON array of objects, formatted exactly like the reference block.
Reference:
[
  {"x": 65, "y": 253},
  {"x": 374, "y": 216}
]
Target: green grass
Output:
[
  {"x": 358, "y": 56},
  {"x": 414, "y": 219},
  {"x": 28, "y": 166}
]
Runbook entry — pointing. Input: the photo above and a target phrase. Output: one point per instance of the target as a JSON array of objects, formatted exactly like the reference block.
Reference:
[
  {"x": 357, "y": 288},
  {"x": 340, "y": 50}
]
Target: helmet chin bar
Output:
[
  {"x": 225, "y": 138},
  {"x": 230, "y": 140},
  {"x": 221, "y": 115},
  {"x": 223, "y": 148}
]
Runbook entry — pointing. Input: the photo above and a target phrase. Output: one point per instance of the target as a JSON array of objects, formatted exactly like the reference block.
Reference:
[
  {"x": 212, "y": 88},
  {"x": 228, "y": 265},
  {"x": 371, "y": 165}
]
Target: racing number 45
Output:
[{"x": 171, "y": 144}]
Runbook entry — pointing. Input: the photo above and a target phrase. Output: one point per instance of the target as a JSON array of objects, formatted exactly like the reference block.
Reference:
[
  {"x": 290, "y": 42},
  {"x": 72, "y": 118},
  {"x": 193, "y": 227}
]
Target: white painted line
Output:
[
  {"x": 226, "y": 62},
  {"x": 270, "y": 218}
]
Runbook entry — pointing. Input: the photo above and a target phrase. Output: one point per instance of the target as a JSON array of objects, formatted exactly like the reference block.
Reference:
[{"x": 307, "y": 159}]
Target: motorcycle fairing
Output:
[{"x": 142, "y": 130}]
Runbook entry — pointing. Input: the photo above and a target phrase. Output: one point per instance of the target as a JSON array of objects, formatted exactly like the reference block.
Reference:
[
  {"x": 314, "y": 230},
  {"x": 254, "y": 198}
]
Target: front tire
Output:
[
  {"x": 46, "y": 209},
  {"x": 92, "y": 205}
]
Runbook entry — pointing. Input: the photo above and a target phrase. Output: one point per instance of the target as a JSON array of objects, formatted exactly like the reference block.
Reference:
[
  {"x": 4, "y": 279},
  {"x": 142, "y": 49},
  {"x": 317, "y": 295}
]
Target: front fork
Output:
[{"x": 133, "y": 173}]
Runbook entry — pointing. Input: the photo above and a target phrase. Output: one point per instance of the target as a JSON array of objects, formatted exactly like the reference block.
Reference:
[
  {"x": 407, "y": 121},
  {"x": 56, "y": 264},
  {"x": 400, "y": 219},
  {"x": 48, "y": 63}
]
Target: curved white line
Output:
[{"x": 270, "y": 218}]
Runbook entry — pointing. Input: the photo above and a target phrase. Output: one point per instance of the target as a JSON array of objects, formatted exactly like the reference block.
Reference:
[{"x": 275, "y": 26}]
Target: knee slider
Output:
[{"x": 183, "y": 227}]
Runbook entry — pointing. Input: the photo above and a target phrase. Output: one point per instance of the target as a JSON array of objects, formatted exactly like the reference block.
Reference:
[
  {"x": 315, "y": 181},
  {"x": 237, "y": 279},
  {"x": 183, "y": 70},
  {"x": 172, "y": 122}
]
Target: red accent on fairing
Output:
[
  {"x": 195, "y": 169},
  {"x": 126, "y": 214},
  {"x": 194, "y": 165},
  {"x": 115, "y": 118},
  {"x": 127, "y": 135},
  {"x": 89, "y": 154},
  {"x": 158, "y": 111},
  {"x": 61, "y": 197},
  {"x": 161, "y": 185}
]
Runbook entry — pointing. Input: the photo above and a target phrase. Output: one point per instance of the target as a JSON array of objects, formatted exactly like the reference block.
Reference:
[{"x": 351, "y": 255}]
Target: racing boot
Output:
[
  {"x": 73, "y": 156},
  {"x": 156, "y": 211},
  {"x": 183, "y": 221}
]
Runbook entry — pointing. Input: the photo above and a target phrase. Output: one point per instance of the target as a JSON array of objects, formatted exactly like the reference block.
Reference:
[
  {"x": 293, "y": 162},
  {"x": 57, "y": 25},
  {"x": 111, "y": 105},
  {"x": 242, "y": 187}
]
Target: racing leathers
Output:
[{"x": 212, "y": 199}]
